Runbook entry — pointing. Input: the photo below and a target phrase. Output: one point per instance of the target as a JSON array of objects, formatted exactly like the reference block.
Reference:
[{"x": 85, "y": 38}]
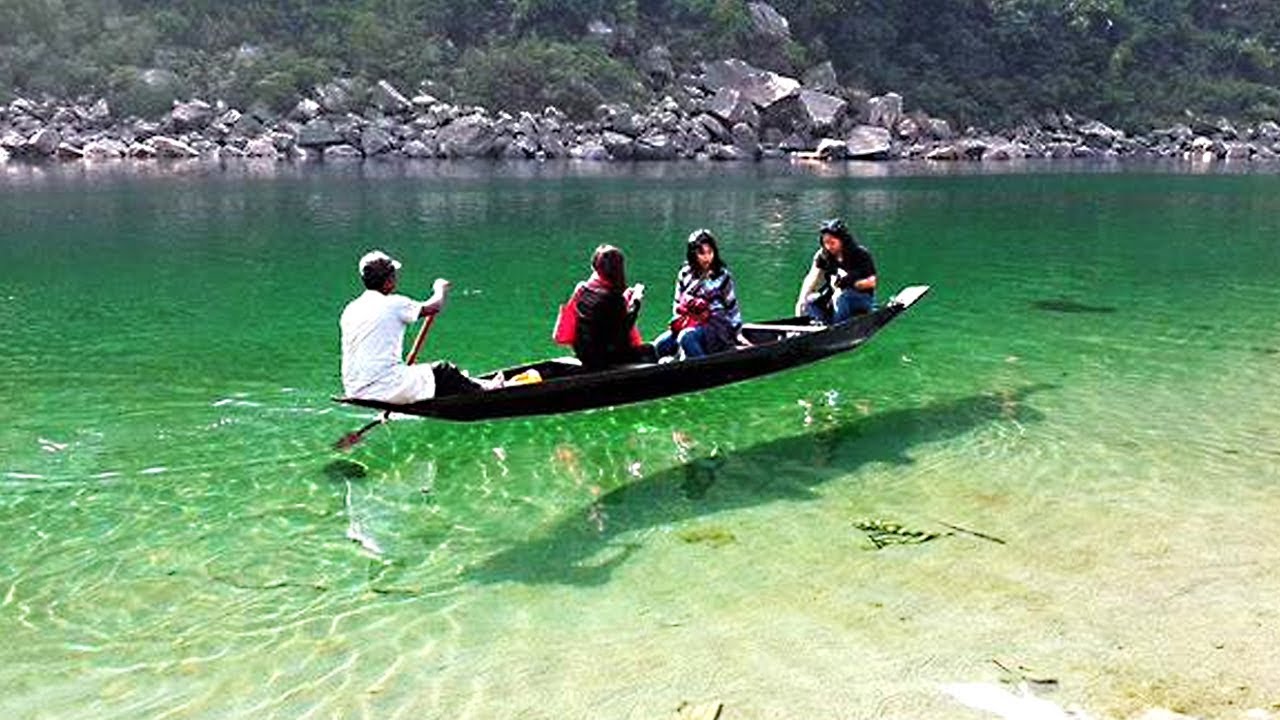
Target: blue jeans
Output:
[
  {"x": 848, "y": 303},
  {"x": 690, "y": 340}
]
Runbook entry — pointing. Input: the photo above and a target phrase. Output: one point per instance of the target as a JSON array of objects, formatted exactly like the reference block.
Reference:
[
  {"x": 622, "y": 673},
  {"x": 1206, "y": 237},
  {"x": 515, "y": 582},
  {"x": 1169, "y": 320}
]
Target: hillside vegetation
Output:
[{"x": 1135, "y": 63}]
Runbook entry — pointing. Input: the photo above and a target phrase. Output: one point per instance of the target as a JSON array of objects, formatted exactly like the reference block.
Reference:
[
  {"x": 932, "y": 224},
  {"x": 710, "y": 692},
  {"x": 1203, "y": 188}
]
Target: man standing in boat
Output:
[
  {"x": 841, "y": 283},
  {"x": 373, "y": 328}
]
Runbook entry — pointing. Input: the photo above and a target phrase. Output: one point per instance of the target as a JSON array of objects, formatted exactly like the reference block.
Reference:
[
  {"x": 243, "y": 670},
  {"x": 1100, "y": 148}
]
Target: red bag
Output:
[
  {"x": 566, "y": 329},
  {"x": 691, "y": 313}
]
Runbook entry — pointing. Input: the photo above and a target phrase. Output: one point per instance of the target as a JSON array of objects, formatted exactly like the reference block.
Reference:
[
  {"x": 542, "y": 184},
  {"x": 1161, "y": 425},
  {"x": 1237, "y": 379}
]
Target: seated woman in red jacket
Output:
[{"x": 607, "y": 309}]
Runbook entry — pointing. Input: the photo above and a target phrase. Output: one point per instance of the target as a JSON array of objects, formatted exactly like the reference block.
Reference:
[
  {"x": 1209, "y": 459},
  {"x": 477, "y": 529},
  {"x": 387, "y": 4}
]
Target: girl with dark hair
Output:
[
  {"x": 841, "y": 282},
  {"x": 605, "y": 315},
  {"x": 705, "y": 309}
]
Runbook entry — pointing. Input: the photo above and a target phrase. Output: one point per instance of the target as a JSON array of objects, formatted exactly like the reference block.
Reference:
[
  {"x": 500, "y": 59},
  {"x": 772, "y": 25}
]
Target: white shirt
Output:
[{"x": 373, "y": 347}]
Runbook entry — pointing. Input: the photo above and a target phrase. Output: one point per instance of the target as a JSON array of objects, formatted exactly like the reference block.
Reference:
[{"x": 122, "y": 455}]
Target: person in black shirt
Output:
[
  {"x": 607, "y": 310},
  {"x": 841, "y": 283}
]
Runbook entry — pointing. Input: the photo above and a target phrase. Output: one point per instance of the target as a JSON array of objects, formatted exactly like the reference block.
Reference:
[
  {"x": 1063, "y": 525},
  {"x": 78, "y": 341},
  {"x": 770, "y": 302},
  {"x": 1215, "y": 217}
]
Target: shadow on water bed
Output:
[
  {"x": 1063, "y": 305},
  {"x": 581, "y": 550}
]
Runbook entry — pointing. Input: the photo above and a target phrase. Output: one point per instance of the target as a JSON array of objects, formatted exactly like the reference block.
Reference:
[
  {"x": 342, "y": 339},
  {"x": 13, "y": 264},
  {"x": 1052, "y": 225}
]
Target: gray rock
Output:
[
  {"x": 1060, "y": 150},
  {"x": 656, "y": 64},
  {"x": 105, "y": 149},
  {"x": 715, "y": 129},
  {"x": 4, "y": 156},
  {"x": 390, "y": 100},
  {"x": 832, "y": 149},
  {"x": 938, "y": 129},
  {"x": 375, "y": 141},
  {"x": 335, "y": 97},
  {"x": 745, "y": 141},
  {"x": 262, "y": 147},
  {"x": 1002, "y": 151},
  {"x": 43, "y": 142},
  {"x": 656, "y": 146},
  {"x": 318, "y": 133},
  {"x": 142, "y": 151},
  {"x": 592, "y": 150},
  {"x": 64, "y": 117},
  {"x": 193, "y": 115},
  {"x": 822, "y": 78},
  {"x": 1267, "y": 131},
  {"x": 885, "y": 111},
  {"x": 418, "y": 150},
  {"x": 761, "y": 87},
  {"x": 1237, "y": 151},
  {"x": 552, "y": 146},
  {"x": 825, "y": 112},
  {"x": 716, "y": 151},
  {"x": 768, "y": 22},
  {"x": 13, "y": 142},
  {"x": 470, "y": 136},
  {"x": 618, "y": 117},
  {"x": 68, "y": 151},
  {"x": 866, "y": 142},
  {"x": 944, "y": 153},
  {"x": 342, "y": 153},
  {"x": 620, "y": 147},
  {"x": 1099, "y": 135},
  {"x": 167, "y": 147},
  {"x": 306, "y": 110}
]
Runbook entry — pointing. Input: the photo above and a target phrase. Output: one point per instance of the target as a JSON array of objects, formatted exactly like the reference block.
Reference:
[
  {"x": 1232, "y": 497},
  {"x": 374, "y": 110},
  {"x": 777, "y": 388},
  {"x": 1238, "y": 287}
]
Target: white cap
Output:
[{"x": 375, "y": 256}]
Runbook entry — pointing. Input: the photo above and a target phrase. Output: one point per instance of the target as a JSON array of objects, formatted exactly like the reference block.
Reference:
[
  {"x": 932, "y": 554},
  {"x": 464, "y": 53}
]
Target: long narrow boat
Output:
[{"x": 566, "y": 386}]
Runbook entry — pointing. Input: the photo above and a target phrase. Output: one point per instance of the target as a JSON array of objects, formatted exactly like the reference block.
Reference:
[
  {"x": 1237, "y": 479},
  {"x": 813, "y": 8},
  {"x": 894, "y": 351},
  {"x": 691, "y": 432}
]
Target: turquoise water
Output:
[{"x": 1092, "y": 381}]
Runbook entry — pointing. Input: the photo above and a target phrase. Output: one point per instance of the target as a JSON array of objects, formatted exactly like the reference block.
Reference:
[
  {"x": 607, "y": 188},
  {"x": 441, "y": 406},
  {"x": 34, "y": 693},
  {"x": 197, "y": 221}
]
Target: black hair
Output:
[
  {"x": 375, "y": 273},
  {"x": 609, "y": 264},
  {"x": 835, "y": 227},
  {"x": 697, "y": 239}
]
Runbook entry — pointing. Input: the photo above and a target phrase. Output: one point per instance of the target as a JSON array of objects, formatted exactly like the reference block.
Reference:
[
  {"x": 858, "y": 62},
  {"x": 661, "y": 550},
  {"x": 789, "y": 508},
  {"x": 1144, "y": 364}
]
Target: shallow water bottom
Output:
[{"x": 1123, "y": 570}]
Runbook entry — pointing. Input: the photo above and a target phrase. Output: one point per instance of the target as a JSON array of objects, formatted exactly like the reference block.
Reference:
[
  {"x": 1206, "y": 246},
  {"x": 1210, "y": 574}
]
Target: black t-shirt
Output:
[
  {"x": 856, "y": 262},
  {"x": 604, "y": 327}
]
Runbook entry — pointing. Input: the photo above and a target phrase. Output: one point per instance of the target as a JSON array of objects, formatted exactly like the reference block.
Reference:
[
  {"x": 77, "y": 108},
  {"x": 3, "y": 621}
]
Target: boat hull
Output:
[{"x": 567, "y": 387}]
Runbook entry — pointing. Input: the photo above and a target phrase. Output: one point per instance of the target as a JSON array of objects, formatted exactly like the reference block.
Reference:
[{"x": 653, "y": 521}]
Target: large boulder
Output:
[
  {"x": 655, "y": 145},
  {"x": 43, "y": 143},
  {"x": 620, "y": 147},
  {"x": 262, "y": 147},
  {"x": 731, "y": 107},
  {"x": 318, "y": 133},
  {"x": 342, "y": 153},
  {"x": 167, "y": 147},
  {"x": 746, "y": 141},
  {"x": 1099, "y": 135},
  {"x": 105, "y": 149},
  {"x": 306, "y": 110},
  {"x": 338, "y": 96},
  {"x": 761, "y": 87},
  {"x": 868, "y": 142},
  {"x": 470, "y": 136},
  {"x": 375, "y": 141},
  {"x": 193, "y": 115},
  {"x": 618, "y": 117},
  {"x": 885, "y": 111},
  {"x": 390, "y": 100}
]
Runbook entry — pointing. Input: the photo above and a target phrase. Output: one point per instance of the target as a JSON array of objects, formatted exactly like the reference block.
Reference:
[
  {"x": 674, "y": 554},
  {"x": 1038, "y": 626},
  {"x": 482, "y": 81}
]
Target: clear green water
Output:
[{"x": 1094, "y": 380}]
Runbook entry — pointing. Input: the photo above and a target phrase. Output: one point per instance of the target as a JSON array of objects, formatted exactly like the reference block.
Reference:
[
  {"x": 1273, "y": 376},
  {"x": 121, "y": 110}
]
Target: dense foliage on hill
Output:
[{"x": 1134, "y": 63}]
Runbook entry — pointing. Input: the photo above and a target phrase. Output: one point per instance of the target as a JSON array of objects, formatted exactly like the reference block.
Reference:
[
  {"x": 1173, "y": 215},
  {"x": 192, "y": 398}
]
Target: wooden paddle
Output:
[{"x": 348, "y": 441}]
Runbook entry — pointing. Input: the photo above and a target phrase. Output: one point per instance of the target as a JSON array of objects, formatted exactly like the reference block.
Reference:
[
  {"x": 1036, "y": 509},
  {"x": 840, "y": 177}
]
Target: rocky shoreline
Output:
[{"x": 726, "y": 110}]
